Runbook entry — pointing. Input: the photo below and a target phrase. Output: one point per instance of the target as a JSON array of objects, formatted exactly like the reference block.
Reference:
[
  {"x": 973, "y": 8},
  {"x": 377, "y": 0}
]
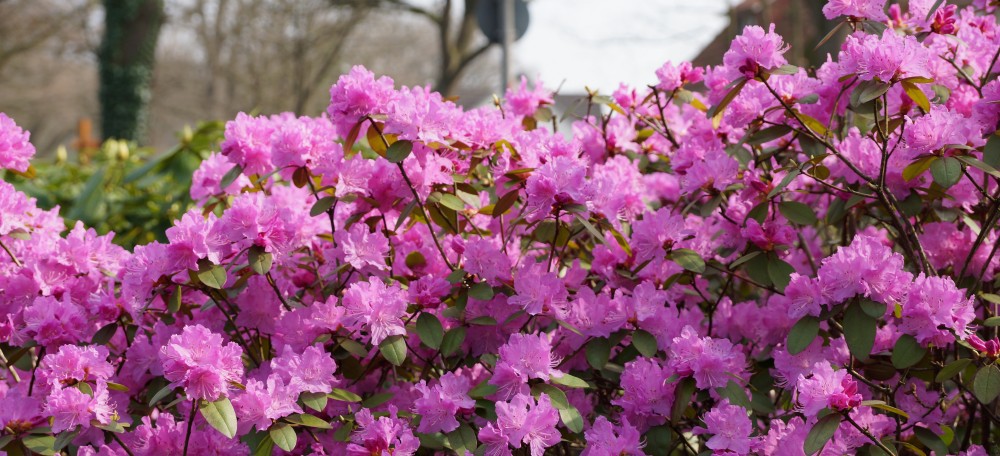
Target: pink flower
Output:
[
  {"x": 312, "y": 371},
  {"x": 197, "y": 360},
  {"x": 606, "y": 439},
  {"x": 933, "y": 303},
  {"x": 539, "y": 292},
  {"x": 438, "y": 405},
  {"x": 72, "y": 364},
  {"x": 647, "y": 396},
  {"x": 560, "y": 182},
  {"x": 361, "y": 248},
  {"x": 888, "y": 58},
  {"x": 71, "y": 407},
  {"x": 263, "y": 402},
  {"x": 523, "y": 420},
  {"x": 53, "y": 323},
  {"x": 523, "y": 102},
  {"x": 376, "y": 308},
  {"x": 248, "y": 143},
  {"x": 386, "y": 435},
  {"x": 864, "y": 9},
  {"x": 428, "y": 291},
  {"x": 730, "y": 428},
  {"x": 523, "y": 357},
  {"x": 712, "y": 362},
  {"x": 673, "y": 77},
  {"x": 15, "y": 149},
  {"x": 805, "y": 297},
  {"x": 207, "y": 178},
  {"x": 358, "y": 94},
  {"x": 755, "y": 50},
  {"x": 824, "y": 387},
  {"x": 485, "y": 259}
]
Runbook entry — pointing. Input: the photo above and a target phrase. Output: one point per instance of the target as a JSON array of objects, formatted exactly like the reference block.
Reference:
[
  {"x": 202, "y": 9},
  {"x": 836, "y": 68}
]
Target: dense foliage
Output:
[{"x": 789, "y": 261}]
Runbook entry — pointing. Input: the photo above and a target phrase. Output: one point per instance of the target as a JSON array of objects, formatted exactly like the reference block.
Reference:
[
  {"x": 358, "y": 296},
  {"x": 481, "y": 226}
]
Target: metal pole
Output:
[{"x": 507, "y": 34}]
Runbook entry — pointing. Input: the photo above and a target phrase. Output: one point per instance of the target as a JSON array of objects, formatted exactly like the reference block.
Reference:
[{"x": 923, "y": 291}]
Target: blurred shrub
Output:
[{"x": 121, "y": 187}]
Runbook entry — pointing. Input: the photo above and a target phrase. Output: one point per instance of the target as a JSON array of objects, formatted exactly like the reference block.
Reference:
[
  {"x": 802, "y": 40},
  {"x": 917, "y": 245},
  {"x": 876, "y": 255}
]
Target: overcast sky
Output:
[{"x": 599, "y": 43}]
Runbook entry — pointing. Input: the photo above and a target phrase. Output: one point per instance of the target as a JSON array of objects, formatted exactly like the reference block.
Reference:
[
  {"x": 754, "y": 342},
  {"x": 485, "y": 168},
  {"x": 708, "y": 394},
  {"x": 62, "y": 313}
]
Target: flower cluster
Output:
[{"x": 750, "y": 258}]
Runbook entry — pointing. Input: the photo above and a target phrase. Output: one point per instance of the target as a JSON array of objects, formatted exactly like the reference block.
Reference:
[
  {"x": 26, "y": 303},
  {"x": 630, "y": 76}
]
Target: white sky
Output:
[{"x": 600, "y": 43}]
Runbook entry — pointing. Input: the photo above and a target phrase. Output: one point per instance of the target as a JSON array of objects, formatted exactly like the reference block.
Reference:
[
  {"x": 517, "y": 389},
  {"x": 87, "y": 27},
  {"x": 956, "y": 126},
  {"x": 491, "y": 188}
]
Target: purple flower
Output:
[
  {"x": 15, "y": 148},
  {"x": 376, "y": 308},
  {"x": 197, "y": 360},
  {"x": 755, "y": 50},
  {"x": 730, "y": 428}
]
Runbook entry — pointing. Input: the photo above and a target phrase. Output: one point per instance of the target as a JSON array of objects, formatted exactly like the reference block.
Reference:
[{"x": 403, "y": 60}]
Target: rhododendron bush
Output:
[{"x": 782, "y": 261}]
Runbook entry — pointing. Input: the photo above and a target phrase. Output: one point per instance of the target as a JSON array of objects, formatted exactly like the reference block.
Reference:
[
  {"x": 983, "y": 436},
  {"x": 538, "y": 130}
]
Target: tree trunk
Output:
[{"x": 126, "y": 57}]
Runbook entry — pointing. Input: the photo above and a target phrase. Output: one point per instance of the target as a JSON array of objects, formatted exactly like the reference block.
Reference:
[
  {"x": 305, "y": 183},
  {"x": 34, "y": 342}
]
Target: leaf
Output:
[
  {"x": 952, "y": 369},
  {"x": 213, "y": 277},
  {"x": 946, "y": 171},
  {"x": 881, "y": 405},
  {"x": 482, "y": 390},
  {"x": 220, "y": 415},
  {"x": 802, "y": 334},
  {"x": 859, "y": 331},
  {"x": 103, "y": 335},
  {"x": 230, "y": 177},
  {"x": 736, "y": 394},
  {"x": 716, "y": 112},
  {"x": 305, "y": 419},
  {"x": 463, "y": 440},
  {"x": 991, "y": 322},
  {"x": 322, "y": 205},
  {"x": 930, "y": 14},
  {"x": 821, "y": 433},
  {"x": 688, "y": 259},
  {"x": 117, "y": 387},
  {"x": 870, "y": 90},
  {"x": 907, "y": 352},
  {"x": 976, "y": 163},
  {"x": 798, "y": 212},
  {"x": 260, "y": 261},
  {"x": 812, "y": 123},
  {"x": 376, "y": 400},
  {"x": 917, "y": 167},
  {"x": 343, "y": 395},
  {"x": 572, "y": 419},
  {"x": 779, "y": 272},
  {"x": 986, "y": 385},
  {"x": 917, "y": 95},
  {"x": 931, "y": 440},
  {"x": 785, "y": 70},
  {"x": 41, "y": 444},
  {"x": 645, "y": 343},
  {"x": 283, "y": 436},
  {"x": 505, "y": 202},
  {"x": 162, "y": 393},
  {"x": 598, "y": 351},
  {"x": 453, "y": 340},
  {"x": 452, "y": 202},
  {"x": 768, "y": 134},
  {"x": 398, "y": 151},
  {"x": 481, "y": 291},
  {"x": 430, "y": 330},
  {"x": 569, "y": 381},
  {"x": 315, "y": 401},
  {"x": 393, "y": 349},
  {"x": 744, "y": 259},
  {"x": 781, "y": 185},
  {"x": 991, "y": 153}
]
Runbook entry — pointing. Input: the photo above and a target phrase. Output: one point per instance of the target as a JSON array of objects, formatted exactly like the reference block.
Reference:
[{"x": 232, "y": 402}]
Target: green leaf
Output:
[
  {"x": 736, "y": 394},
  {"x": 283, "y": 436},
  {"x": 946, "y": 171},
  {"x": 305, "y": 419},
  {"x": 952, "y": 369},
  {"x": 452, "y": 202},
  {"x": 917, "y": 95},
  {"x": 645, "y": 343},
  {"x": 744, "y": 259},
  {"x": 343, "y": 395},
  {"x": 976, "y": 163},
  {"x": 931, "y": 440},
  {"x": 220, "y": 415},
  {"x": 484, "y": 320},
  {"x": 598, "y": 351},
  {"x": 482, "y": 390},
  {"x": 453, "y": 340},
  {"x": 779, "y": 272},
  {"x": 821, "y": 433},
  {"x": 103, "y": 335},
  {"x": 907, "y": 352},
  {"x": 64, "y": 439},
  {"x": 430, "y": 330},
  {"x": 798, "y": 212},
  {"x": 917, "y": 167},
  {"x": 322, "y": 205},
  {"x": 230, "y": 176},
  {"x": 659, "y": 440},
  {"x": 462, "y": 440},
  {"x": 398, "y": 151},
  {"x": 688, "y": 259},
  {"x": 117, "y": 387},
  {"x": 393, "y": 349},
  {"x": 881, "y": 405},
  {"x": 991, "y": 154},
  {"x": 481, "y": 291},
  {"x": 572, "y": 419},
  {"x": 260, "y": 261},
  {"x": 162, "y": 393},
  {"x": 505, "y": 202},
  {"x": 376, "y": 400},
  {"x": 569, "y": 381},
  {"x": 213, "y": 277},
  {"x": 986, "y": 385},
  {"x": 781, "y": 186},
  {"x": 41, "y": 444},
  {"x": 991, "y": 322},
  {"x": 716, "y": 112},
  {"x": 174, "y": 301},
  {"x": 315, "y": 401},
  {"x": 870, "y": 90},
  {"x": 768, "y": 134},
  {"x": 802, "y": 334},
  {"x": 785, "y": 69},
  {"x": 859, "y": 331}
]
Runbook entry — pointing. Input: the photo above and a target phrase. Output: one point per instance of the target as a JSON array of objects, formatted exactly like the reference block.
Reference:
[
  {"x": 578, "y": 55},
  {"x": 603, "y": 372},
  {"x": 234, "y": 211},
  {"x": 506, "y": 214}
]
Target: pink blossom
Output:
[
  {"x": 523, "y": 357},
  {"x": 730, "y": 428},
  {"x": 755, "y": 50},
  {"x": 538, "y": 291},
  {"x": 71, "y": 407},
  {"x": 386, "y": 435},
  {"x": 867, "y": 9},
  {"x": 15, "y": 148},
  {"x": 197, "y": 360},
  {"x": 376, "y": 308}
]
